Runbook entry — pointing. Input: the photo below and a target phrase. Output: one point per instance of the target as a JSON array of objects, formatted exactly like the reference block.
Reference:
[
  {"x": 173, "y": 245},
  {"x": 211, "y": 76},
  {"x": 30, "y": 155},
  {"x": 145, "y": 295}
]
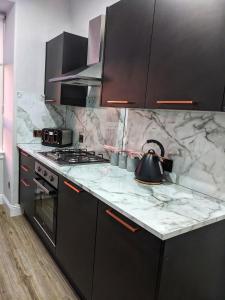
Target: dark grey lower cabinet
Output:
[
  {"x": 76, "y": 229},
  {"x": 193, "y": 265},
  {"x": 131, "y": 265},
  {"x": 106, "y": 256},
  {"x": 126, "y": 260},
  {"x": 26, "y": 184}
]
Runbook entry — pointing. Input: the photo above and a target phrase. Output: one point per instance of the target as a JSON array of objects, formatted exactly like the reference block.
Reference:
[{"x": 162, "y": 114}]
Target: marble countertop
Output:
[{"x": 166, "y": 210}]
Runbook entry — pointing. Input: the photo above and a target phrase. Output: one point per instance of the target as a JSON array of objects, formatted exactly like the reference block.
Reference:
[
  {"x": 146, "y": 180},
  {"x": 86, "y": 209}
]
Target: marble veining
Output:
[
  {"x": 194, "y": 140},
  {"x": 32, "y": 113},
  {"x": 166, "y": 211},
  {"x": 99, "y": 126}
]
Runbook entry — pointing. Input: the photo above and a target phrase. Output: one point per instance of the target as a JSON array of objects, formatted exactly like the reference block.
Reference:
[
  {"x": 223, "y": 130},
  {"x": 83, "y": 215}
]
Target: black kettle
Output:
[{"x": 150, "y": 169}]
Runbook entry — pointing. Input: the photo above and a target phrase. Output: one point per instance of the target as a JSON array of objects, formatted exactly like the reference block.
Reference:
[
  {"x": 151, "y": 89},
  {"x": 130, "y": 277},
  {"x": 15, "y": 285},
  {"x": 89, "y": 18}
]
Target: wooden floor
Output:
[{"x": 27, "y": 272}]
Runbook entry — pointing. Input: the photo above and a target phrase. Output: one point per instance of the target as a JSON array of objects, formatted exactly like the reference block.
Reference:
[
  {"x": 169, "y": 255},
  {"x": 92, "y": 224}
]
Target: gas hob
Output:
[{"x": 73, "y": 156}]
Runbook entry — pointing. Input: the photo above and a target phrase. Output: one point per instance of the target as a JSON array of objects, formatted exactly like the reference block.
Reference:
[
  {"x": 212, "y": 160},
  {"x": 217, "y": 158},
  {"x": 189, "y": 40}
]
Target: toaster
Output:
[{"x": 56, "y": 137}]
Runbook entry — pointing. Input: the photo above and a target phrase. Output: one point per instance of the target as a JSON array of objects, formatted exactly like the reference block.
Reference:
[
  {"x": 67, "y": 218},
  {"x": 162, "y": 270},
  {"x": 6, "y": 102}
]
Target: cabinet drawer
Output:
[{"x": 26, "y": 163}]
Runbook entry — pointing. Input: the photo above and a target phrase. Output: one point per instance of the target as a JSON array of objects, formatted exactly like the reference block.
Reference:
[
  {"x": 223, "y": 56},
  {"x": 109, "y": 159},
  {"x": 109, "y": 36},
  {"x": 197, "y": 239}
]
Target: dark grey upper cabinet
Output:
[
  {"x": 127, "y": 51},
  {"x": 64, "y": 54},
  {"x": 187, "y": 66}
]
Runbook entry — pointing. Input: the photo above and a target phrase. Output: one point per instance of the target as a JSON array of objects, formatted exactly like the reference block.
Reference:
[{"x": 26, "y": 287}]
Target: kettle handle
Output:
[{"x": 157, "y": 143}]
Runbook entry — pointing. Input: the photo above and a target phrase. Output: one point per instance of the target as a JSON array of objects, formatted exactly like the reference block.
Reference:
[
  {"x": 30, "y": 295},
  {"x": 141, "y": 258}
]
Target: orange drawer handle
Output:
[
  {"x": 24, "y": 183},
  {"x": 71, "y": 187},
  {"x": 126, "y": 225},
  {"x": 24, "y": 154},
  {"x": 175, "y": 102},
  {"x": 24, "y": 168}
]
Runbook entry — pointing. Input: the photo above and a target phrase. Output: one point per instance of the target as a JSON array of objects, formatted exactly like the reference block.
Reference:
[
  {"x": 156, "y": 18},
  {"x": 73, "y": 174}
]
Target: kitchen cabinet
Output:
[
  {"x": 64, "y": 54},
  {"x": 131, "y": 263},
  {"x": 76, "y": 228},
  {"x": 105, "y": 255},
  {"x": 127, "y": 52},
  {"x": 187, "y": 55},
  {"x": 26, "y": 184},
  {"x": 126, "y": 260},
  {"x": 193, "y": 265}
]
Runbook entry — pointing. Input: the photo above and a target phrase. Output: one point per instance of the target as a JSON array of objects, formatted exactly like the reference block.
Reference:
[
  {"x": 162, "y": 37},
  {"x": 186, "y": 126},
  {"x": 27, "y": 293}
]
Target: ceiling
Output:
[{"x": 5, "y": 6}]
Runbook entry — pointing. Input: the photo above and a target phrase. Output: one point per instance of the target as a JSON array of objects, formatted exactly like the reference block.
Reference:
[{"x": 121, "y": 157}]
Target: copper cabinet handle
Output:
[
  {"x": 24, "y": 168},
  {"x": 126, "y": 225},
  {"x": 25, "y": 154},
  {"x": 24, "y": 183},
  {"x": 119, "y": 102},
  {"x": 50, "y": 101},
  {"x": 175, "y": 102},
  {"x": 72, "y": 187}
]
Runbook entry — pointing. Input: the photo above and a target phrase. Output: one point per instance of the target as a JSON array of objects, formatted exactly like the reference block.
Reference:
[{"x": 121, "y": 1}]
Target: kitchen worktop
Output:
[{"x": 165, "y": 210}]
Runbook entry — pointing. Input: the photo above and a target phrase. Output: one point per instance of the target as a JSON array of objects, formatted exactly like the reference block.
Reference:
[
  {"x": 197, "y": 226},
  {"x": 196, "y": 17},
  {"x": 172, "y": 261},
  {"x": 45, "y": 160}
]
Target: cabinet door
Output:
[
  {"x": 127, "y": 46},
  {"x": 65, "y": 53},
  {"x": 187, "y": 67},
  {"x": 76, "y": 228},
  {"x": 126, "y": 260},
  {"x": 193, "y": 265},
  {"x": 26, "y": 184},
  {"x": 53, "y": 68},
  {"x": 26, "y": 194}
]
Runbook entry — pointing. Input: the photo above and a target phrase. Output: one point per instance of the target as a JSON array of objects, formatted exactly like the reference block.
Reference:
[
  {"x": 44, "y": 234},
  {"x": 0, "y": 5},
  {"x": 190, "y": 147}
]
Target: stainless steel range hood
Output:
[{"x": 91, "y": 75}]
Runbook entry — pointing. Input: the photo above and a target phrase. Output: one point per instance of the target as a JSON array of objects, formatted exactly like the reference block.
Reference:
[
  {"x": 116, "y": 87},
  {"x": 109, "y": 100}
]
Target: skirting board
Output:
[{"x": 12, "y": 210}]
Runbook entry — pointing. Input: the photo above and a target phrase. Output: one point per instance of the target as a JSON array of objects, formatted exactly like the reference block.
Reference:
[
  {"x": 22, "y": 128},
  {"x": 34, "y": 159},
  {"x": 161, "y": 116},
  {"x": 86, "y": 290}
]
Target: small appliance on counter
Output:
[
  {"x": 56, "y": 137},
  {"x": 150, "y": 169}
]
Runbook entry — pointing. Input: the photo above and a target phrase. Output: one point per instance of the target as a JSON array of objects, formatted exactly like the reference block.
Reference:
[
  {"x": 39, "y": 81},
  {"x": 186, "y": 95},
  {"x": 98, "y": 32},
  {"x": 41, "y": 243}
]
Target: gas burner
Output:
[{"x": 69, "y": 156}]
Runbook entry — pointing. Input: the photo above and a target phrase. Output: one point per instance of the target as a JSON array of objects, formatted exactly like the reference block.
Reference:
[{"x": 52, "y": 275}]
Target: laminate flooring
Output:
[{"x": 27, "y": 271}]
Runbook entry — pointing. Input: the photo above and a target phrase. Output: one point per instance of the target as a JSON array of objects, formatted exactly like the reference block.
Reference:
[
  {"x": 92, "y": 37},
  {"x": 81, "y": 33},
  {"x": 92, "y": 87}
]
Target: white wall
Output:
[
  {"x": 84, "y": 10},
  {"x": 36, "y": 21},
  {"x": 9, "y": 107}
]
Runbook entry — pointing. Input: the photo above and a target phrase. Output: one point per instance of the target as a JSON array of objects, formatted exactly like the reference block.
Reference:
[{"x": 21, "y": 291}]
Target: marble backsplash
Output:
[
  {"x": 99, "y": 126},
  {"x": 194, "y": 140},
  {"x": 33, "y": 113}
]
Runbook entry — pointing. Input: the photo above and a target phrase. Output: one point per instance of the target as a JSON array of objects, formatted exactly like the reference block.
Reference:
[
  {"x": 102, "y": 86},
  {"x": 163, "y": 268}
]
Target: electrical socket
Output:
[{"x": 81, "y": 138}]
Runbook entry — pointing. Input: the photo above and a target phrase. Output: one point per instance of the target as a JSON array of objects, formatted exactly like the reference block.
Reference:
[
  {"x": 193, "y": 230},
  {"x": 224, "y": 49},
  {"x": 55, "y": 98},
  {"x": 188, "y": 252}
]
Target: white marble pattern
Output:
[
  {"x": 99, "y": 126},
  {"x": 166, "y": 211},
  {"x": 32, "y": 113},
  {"x": 194, "y": 140}
]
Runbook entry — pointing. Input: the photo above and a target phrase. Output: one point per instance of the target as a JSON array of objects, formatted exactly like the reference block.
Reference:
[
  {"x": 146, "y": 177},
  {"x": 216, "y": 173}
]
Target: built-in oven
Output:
[{"x": 45, "y": 204}]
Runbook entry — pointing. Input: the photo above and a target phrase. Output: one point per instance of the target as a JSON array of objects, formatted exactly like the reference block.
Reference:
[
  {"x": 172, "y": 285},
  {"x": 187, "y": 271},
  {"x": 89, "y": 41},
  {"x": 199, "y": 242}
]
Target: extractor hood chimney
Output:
[{"x": 91, "y": 75}]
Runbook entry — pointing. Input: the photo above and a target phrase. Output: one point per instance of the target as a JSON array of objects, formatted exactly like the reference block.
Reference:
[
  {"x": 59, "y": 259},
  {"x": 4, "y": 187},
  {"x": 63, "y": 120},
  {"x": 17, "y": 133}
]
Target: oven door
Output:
[{"x": 45, "y": 208}]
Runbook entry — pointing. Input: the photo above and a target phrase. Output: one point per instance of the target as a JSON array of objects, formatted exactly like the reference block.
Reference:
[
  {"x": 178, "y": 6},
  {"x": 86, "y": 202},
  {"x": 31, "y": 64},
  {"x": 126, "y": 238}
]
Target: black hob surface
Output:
[{"x": 73, "y": 156}]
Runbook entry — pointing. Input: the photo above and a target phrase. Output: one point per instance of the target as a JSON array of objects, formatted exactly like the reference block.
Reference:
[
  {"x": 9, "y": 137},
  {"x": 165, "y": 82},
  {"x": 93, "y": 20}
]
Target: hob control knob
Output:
[
  {"x": 51, "y": 178},
  {"x": 39, "y": 169},
  {"x": 45, "y": 173}
]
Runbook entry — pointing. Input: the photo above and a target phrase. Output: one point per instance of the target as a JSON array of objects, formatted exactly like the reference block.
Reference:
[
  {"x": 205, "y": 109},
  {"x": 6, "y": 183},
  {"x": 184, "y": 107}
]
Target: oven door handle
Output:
[{"x": 43, "y": 188}]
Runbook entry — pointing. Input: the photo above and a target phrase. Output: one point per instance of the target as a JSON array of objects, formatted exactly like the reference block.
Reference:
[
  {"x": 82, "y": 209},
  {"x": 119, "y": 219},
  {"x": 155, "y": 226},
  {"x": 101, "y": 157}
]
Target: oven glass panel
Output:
[{"x": 45, "y": 208}]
